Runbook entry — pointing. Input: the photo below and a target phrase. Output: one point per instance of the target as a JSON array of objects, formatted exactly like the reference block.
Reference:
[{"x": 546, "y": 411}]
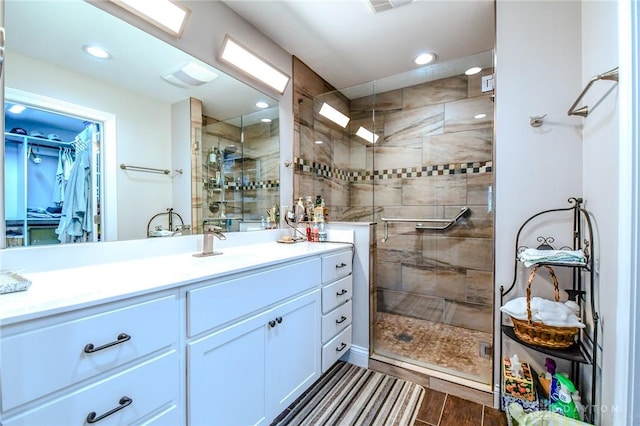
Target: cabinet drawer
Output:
[
  {"x": 335, "y": 348},
  {"x": 336, "y": 321},
  {"x": 336, "y": 294},
  {"x": 151, "y": 386},
  {"x": 220, "y": 303},
  {"x": 336, "y": 266},
  {"x": 49, "y": 358}
]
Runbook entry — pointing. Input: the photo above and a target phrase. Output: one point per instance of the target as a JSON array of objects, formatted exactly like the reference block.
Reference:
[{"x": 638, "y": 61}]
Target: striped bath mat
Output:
[{"x": 351, "y": 395}]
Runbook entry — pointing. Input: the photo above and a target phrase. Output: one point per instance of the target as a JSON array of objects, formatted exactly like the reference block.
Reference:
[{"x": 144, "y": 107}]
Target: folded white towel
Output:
[
  {"x": 532, "y": 256},
  {"x": 548, "y": 312}
]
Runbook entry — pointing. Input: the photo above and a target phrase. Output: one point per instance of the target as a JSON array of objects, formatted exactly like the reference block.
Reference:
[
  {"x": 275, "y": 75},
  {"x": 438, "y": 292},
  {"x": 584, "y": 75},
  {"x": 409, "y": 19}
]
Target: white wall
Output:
[
  {"x": 600, "y": 187},
  {"x": 181, "y": 159},
  {"x": 546, "y": 53},
  {"x": 143, "y": 135},
  {"x": 537, "y": 73}
]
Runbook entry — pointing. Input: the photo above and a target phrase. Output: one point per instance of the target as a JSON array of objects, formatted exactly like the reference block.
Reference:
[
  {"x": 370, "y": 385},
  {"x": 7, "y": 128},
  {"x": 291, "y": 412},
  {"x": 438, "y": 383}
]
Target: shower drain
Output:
[{"x": 404, "y": 337}]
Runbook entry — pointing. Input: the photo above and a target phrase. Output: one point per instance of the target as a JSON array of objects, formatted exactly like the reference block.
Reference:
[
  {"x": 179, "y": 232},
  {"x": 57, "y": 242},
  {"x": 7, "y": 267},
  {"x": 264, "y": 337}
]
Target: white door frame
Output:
[
  {"x": 108, "y": 194},
  {"x": 626, "y": 400}
]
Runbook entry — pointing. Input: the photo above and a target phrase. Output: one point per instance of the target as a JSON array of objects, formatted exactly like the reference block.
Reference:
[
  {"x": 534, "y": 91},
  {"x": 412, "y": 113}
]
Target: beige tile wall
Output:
[
  {"x": 252, "y": 178},
  {"x": 444, "y": 276}
]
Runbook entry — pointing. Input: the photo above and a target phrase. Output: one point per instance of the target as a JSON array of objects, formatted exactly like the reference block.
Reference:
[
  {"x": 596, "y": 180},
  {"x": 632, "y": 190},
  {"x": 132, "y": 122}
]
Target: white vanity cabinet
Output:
[
  {"x": 260, "y": 350},
  {"x": 195, "y": 345},
  {"x": 337, "y": 312},
  {"x": 116, "y": 363}
]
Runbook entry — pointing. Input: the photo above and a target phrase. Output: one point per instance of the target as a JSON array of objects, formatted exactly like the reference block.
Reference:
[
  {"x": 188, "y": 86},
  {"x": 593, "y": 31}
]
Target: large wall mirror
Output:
[{"x": 150, "y": 138}]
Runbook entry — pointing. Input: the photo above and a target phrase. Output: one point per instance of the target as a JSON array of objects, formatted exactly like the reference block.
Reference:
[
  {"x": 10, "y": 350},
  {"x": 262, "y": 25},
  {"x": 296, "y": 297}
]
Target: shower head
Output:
[{"x": 230, "y": 149}]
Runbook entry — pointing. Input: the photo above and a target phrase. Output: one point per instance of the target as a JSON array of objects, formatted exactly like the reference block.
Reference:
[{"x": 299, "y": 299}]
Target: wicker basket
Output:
[{"x": 537, "y": 333}]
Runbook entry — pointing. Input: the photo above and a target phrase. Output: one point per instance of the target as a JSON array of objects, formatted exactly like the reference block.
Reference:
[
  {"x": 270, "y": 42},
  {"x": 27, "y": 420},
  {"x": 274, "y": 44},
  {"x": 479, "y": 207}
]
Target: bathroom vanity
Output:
[{"x": 231, "y": 339}]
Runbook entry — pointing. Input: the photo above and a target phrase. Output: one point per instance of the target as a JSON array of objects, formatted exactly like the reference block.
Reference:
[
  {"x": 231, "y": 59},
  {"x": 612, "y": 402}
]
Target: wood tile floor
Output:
[{"x": 441, "y": 409}]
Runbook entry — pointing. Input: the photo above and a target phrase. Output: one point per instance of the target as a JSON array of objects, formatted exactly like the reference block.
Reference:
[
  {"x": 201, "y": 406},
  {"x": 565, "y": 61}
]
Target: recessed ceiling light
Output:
[
  {"x": 96, "y": 52},
  {"x": 266, "y": 120},
  {"x": 479, "y": 116},
  {"x": 164, "y": 14},
  {"x": 334, "y": 115},
  {"x": 425, "y": 58},
  {"x": 473, "y": 70},
  {"x": 367, "y": 135},
  {"x": 16, "y": 109},
  {"x": 262, "y": 104},
  {"x": 319, "y": 142},
  {"x": 247, "y": 61}
]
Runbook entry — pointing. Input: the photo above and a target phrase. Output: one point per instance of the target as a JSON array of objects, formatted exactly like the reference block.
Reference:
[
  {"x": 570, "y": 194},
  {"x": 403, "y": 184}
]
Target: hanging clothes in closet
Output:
[
  {"x": 63, "y": 172},
  {"x": 76, "y": 223}
]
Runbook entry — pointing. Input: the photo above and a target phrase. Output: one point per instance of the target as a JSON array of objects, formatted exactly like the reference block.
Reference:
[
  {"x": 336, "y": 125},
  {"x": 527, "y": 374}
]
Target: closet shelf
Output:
[{"x": 32, "y": 140}]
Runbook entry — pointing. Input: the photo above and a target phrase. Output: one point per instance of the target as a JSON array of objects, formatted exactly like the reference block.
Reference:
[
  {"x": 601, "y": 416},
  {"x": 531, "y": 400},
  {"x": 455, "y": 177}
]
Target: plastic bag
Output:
[{"x": 539, "y": 418}]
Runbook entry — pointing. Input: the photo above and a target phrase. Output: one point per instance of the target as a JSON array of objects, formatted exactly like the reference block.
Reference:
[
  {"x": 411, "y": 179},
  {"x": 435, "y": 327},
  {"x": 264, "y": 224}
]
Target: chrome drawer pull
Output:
[
  {"x": 341, "y": 348},
  {"x": 342, "y": 265},
  {"x": 343, "y": 291},
  {"x": 122, "y": 337},
  {"x": 124, "y": 402},
  {"x": 341, "y": 320}
]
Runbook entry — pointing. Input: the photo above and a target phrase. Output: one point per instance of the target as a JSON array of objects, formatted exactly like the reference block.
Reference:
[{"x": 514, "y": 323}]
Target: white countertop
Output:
[{"x": 62, "y": 290}]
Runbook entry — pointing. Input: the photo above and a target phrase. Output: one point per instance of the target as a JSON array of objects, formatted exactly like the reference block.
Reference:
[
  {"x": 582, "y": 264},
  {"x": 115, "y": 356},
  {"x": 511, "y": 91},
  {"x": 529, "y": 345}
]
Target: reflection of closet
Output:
[{"x": 33, "y": 189}]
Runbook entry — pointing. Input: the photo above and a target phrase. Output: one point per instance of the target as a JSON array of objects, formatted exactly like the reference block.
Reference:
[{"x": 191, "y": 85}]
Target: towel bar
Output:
[
  {"x": 446, "y": 223},
  {"x": 584, "y": 111},
  {"x": 148, "y": 169}
]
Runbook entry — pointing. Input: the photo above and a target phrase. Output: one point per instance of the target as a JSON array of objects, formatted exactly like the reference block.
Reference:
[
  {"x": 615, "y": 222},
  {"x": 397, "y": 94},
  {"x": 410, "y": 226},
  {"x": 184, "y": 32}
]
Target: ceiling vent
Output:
[{"x": 382, "y": 5}]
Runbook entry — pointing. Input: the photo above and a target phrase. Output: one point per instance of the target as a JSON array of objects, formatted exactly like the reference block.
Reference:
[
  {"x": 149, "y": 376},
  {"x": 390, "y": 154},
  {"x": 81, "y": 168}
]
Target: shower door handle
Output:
[{"x": 1, "y": 51}]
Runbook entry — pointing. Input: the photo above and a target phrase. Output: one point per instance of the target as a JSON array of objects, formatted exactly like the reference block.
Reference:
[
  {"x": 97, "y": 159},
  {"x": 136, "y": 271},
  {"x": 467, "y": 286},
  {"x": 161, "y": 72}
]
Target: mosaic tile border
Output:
[
  {"x": 319, "y": 169},
  {"x": 268, "y": 184}
]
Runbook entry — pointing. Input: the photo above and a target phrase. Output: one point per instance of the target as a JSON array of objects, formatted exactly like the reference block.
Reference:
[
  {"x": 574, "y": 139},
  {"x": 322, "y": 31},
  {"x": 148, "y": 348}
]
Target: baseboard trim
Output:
[{"x": 357, "y": 355}]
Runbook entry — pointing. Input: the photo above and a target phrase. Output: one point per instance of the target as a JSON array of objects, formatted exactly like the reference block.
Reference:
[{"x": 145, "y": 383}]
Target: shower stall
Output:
[
  {"x": 416, "y": 158},
  {"x": 236, "y": 171}
]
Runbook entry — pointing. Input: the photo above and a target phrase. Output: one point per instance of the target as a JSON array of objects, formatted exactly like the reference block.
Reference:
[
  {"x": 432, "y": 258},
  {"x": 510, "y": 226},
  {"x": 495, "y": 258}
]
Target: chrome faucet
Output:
[{"x": 210, "y": 231}]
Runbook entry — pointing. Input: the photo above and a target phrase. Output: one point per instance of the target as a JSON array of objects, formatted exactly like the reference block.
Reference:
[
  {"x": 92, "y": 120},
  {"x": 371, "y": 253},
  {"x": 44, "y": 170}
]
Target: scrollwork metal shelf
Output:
[{"x": 585, "y": 351}]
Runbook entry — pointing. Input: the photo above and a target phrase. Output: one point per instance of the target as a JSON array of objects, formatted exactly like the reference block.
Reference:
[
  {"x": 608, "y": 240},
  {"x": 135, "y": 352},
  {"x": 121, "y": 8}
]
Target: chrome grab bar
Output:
[{"x": 446, "y": 223}]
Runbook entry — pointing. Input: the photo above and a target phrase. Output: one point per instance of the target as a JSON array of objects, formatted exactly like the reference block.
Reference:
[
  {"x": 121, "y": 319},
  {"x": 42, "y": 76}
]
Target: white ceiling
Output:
[
  {"x": 344, "y": 41},
  {"x": 347, "y": 44}
]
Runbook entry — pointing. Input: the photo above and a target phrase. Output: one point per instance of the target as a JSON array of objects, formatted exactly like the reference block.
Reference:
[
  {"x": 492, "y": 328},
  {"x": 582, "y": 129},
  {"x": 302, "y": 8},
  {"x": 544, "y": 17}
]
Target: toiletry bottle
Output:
[
  {"x": 315, "y": 231},
  {"x": 322, "y": 233},
  {"x": 309, "y": 209},
  {"x": 300, "y": 211},
  {"x": 324, "y": 210},
  {"x": 309, "y": 236}
]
